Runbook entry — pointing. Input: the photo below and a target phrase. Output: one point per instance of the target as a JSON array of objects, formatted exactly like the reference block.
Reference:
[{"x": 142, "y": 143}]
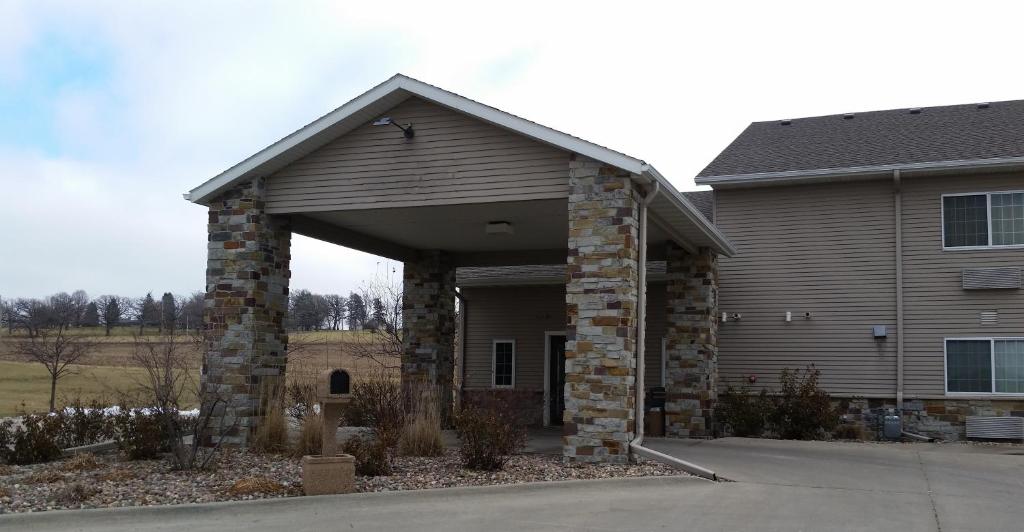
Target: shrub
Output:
[
  {"x": 743, "y": 412},
  {"x": 82, "y": 462},
  {"x": 44, "y": 476},
  {"x": 255, "y": 485},
  {"x": 311, "y": 434},
  {"x": 802, "y": 410},
  {"x": 34, "y": 441},
  {"x": 371, "y": 456},
  {"x": 141, "y": 435},
  {"x": 849, "y": 431},
  {"x": 84, "y": 425},
  {"x": 271, "y": 434},
  {"x": 379, "y": 403},
  {"x": 421, "y": 435},
  {"x": 490, "y": 435},
  {"x": 300, "y": 396},
  {"x": 74, "y": 494}
]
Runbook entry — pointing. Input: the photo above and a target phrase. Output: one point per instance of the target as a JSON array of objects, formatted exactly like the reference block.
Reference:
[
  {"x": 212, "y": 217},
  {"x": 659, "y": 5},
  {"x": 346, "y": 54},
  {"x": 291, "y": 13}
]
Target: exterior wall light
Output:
[{"x": 499, "y": 228}]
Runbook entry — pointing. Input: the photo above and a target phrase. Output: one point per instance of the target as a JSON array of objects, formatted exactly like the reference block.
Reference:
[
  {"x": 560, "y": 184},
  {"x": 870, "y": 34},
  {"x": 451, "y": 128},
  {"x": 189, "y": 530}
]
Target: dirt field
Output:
[{"x": 110, "y": 370}]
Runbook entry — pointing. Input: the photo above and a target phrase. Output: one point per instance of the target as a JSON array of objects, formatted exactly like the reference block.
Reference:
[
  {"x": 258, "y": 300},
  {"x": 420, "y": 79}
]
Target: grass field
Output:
[
  {"x": 109, "y": 370},
  {"x": 25, "y": 387}
]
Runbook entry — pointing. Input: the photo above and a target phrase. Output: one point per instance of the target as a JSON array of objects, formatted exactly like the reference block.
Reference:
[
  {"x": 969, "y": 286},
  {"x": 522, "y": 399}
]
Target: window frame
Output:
[
  {"x": 992, "y": 357},
  {"x": 988, "y": 216},
  {"x": 494, "y": 362}
]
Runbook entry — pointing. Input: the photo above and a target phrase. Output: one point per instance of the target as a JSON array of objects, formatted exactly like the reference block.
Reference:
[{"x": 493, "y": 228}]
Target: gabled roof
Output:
[
  {"x": 927, "y": 138},
  {"x": 374, "y": 102},
  {"x": 369, "y": 105}
]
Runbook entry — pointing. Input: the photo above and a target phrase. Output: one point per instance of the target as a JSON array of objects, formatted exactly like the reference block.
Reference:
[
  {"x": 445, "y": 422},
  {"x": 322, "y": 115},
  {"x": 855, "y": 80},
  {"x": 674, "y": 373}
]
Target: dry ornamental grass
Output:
[{"x": 256, "y": 485}]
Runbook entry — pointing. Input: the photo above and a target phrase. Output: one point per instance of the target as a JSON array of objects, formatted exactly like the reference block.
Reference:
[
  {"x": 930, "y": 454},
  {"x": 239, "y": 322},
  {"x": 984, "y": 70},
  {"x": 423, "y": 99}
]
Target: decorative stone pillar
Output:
[
  {"x": 601, "y": 297},
  {"x": 244, "y": 311},
  {"x": 428, "y": 325},
  {"x": 691, "y": 342}
]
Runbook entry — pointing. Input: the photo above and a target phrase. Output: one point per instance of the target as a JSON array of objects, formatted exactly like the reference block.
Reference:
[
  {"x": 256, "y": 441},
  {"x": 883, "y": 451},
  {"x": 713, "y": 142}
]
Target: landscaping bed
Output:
[{"x": 108, "y": 481}]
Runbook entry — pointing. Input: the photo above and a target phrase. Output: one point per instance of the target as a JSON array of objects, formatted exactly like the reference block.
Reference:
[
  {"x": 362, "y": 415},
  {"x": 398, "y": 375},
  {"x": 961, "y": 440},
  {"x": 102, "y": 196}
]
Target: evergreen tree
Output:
[
  {"x": 91, "y": 316},
  {"x": 148, "y": 312},
  {"x": 356, "y": 311},
  {"x": 168, "y": 313}
]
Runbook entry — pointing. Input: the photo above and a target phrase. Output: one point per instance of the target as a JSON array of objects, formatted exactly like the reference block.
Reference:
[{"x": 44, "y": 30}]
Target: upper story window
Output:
[{"x": 983, "y": 220}]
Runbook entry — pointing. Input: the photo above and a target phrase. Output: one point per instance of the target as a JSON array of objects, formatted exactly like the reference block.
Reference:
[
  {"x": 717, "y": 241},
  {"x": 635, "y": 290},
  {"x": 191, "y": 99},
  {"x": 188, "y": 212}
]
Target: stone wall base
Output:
[{"x": 945, "y": 419}]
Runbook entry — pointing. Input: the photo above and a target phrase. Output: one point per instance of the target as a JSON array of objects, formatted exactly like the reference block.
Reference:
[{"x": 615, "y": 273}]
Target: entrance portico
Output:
[{"x": 473, "y": 187}]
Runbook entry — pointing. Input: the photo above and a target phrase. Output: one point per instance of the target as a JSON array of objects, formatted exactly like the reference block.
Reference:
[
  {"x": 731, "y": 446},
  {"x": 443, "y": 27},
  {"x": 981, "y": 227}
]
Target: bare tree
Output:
[
  {"x": 190, "y": 315},
  {"x": 56, "y": 350},
  {"x": 335, "y": 311},
  {"x": 168, "y": 382},
  {"x": 383, "y": 344},
  {"x": 111, "y": 310},
  {"x": 30, "y": 314}
]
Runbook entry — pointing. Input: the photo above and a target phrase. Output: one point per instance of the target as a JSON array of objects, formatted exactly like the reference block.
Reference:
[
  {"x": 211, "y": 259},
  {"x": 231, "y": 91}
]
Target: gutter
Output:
[
  {"x": 719, "y": 240},
  {"x": 797, "y": 176},
  {"x": 636, "y": 445},
  {"x": 898, "y": 215}
]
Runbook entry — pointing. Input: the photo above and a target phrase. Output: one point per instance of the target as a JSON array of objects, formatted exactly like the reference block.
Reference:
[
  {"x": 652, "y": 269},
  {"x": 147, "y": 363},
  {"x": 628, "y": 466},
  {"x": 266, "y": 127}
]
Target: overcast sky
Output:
[{"x": 110, "y": 110}]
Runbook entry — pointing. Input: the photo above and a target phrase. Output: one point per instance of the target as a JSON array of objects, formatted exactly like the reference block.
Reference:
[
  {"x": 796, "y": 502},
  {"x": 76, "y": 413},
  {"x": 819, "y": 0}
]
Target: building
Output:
[{"x": 586, "y": 278}]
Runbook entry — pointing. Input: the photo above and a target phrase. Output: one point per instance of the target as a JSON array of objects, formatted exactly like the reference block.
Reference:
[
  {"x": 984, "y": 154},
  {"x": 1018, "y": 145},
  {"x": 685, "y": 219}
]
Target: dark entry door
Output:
[{"x": 556, "y": 379}]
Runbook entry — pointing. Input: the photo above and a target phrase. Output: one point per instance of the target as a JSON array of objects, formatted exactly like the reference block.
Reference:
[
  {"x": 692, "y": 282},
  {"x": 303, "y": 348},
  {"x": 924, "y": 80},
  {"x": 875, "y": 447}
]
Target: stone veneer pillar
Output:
[
  {"x": 428, "y": 324},
  {"x": 244, "y": 310},
  {"x": 601, "y": 297},
  {"x": 691, "y": 342}
]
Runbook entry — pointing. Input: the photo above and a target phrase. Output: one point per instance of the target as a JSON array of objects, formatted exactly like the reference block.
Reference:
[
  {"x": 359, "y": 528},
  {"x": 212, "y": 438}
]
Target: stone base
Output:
[
  {"x": 326, "y": 475},
  {"x": 945, "y": 419}
]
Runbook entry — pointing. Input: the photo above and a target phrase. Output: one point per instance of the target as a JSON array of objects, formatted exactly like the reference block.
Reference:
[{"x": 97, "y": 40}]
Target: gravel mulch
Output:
[{"x": 107, "y": 481}]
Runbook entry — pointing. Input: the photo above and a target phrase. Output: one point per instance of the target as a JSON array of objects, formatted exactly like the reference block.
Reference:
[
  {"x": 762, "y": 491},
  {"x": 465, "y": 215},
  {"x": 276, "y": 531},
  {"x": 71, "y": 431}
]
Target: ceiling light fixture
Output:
[{"x": 386, "y": 121}]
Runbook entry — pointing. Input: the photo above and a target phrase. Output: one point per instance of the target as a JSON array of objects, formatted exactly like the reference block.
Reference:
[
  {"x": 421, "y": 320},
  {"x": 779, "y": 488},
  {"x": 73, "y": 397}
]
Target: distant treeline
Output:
[
  {"x": 306, "y": 311},
  {"x": 170, "y": 313}
]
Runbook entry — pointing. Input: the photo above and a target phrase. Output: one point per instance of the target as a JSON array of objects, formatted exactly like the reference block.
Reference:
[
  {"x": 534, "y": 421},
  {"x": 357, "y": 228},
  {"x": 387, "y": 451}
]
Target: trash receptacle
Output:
[{"x": 654, "y": 422}]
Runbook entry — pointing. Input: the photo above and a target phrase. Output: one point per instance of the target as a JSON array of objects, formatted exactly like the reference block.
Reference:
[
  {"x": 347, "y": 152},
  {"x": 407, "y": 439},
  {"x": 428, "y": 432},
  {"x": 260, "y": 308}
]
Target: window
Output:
[
  {"x": 983, "y": 220},
  {"x": 504, "y": 363},
  {"x": 985, "y": 365}
]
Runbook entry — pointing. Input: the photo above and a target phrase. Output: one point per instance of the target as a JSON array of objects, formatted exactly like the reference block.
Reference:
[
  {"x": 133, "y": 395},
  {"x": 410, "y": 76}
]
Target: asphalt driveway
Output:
[
  {"x": 965, "y": 486},
  {"x": 778, "y": 486}
]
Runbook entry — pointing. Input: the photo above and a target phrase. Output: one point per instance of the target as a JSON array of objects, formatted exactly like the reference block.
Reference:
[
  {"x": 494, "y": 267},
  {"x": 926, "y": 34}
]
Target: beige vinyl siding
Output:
[
  {"x": 520, "y": 313},
  {"x": 656, "y": 313},
  {"x": 935, "y": 304},
  {"x": 451, "y": 158},
  {"x": 524, "y": 314},
  {"x": 826, "y": 249}
]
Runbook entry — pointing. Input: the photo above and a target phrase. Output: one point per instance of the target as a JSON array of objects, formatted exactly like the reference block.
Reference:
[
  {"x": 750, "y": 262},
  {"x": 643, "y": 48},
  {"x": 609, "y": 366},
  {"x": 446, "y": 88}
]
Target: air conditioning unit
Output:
[{"x": 995, "y": 428}]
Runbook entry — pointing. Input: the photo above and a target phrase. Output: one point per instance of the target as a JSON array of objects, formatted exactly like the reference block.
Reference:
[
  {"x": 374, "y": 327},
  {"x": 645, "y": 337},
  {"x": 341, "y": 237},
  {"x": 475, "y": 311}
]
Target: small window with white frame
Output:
[
  {"x": 983, "y": 220},
  {"x": 503, "y": 364},
  {"x": 985, "y": 366}
]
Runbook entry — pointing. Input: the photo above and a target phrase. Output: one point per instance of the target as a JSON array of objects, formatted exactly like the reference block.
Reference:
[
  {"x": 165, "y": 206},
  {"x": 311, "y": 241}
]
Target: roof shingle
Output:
[{"x": 899, "y": 136}]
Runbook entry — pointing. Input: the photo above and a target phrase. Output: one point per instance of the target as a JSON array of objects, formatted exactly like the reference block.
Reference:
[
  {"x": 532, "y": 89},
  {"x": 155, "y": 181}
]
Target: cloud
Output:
[{"x": 154, "y": 98}]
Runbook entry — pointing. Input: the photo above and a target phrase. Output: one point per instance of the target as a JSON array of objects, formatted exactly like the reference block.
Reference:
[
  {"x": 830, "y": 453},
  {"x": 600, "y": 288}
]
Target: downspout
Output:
[
  {"x": 636, "y": 445},
  {"x": 462, "y": 346},
  {"x": 898, "y": 209}
]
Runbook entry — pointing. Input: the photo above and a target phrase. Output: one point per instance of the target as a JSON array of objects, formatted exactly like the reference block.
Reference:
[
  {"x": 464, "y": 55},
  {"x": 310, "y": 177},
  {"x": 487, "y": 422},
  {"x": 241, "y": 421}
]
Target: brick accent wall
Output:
[
  {"x": 428, "y": 323},
  {"x": 601, "y": 297},
  {"x": 247, "y": 274},
  {"x": 691, "y": 342}
]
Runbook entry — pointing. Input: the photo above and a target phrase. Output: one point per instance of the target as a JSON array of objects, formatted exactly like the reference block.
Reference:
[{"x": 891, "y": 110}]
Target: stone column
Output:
[
  {"x": 601, "y": 297},
  {"x": 691, "y": 342},
  {"x": 244, "y": 311},
  {"x": 428, "y": 324}
]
